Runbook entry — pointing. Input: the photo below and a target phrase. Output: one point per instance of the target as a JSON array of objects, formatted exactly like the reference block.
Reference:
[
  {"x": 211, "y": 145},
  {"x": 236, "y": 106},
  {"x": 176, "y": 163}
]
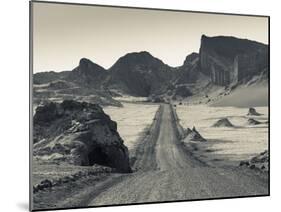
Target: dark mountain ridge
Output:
[{"x": 225, "y": 61}]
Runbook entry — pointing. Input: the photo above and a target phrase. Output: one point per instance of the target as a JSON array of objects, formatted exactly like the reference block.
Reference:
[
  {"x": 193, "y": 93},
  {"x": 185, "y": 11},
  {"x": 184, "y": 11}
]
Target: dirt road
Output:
[{"x": 170, "y": 173}]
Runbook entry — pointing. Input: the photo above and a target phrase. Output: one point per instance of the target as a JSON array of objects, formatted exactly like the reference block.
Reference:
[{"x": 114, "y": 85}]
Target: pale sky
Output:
[{"x": 63, "y": 34}]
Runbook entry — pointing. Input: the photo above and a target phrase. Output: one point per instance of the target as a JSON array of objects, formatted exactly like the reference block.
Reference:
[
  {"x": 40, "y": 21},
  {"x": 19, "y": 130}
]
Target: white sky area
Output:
[{"x": 63, "y": 34}]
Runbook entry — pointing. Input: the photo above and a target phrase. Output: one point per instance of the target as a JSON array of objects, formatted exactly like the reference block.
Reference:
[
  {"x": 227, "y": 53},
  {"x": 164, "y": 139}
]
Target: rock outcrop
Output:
[
  {"x": 252, "y": 112},
  {"x": 223, "y": 123},
  {"x": 78, "y": 133},
  {"x": 259, "y": 162},
  {"x": 193, "y": 135},
  {"x": 253, "y": 122},
  {"x": 228, "y": 60}
]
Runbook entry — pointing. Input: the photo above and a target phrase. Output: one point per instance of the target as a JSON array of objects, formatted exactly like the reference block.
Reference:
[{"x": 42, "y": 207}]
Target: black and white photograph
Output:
[{"x": 137, "y": 106}]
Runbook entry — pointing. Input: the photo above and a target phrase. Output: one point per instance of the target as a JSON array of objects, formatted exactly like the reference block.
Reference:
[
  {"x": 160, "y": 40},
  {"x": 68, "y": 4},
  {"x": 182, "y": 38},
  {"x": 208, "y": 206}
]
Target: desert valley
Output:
[{"x": 143, "y": 131}]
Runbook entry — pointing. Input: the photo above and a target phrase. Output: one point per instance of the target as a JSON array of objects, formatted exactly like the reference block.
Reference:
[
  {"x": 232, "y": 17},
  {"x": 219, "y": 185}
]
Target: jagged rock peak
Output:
[
  {"x": 85, "y": 61},
  {"x": 223, "y": 123},
  {"x": 252, "y": 112},
  {"x": 194, "y": 135},
  {"x": 87, "y": 64}
]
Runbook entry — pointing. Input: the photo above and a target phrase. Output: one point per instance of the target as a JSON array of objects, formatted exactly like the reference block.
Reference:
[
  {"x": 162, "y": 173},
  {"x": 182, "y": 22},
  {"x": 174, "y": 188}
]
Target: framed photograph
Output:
[{"x": 139, "y": 105}]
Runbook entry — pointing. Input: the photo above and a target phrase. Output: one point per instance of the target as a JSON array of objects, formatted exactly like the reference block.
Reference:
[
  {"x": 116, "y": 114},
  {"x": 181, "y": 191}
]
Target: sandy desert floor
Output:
[
  {"x": 162, "y": 163},
  {"x": 230, "y": 144},
  {"x": 132, "y": 119}
]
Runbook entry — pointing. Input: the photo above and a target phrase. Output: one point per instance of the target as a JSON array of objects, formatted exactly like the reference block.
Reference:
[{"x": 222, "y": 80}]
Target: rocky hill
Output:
[
  {"x": 139, "y": 74},
  {"x": 83, "y": 83},
  {"x": 87, "y": 74},
  {"x": 78, "y": 133}
]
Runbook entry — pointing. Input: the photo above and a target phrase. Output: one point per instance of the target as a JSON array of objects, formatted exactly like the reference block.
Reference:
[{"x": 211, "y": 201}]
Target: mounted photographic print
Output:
[{"x": 137, "y": 105}]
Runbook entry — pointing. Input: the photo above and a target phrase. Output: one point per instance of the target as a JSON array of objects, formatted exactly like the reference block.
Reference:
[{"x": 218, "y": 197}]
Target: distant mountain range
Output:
[{"x": 223, "y": 61}]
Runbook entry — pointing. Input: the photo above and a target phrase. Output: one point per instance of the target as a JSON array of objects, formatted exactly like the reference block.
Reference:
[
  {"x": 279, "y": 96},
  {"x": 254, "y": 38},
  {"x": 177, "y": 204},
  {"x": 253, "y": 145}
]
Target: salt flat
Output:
[
  {"x": 132, "y": 119},
  {"x": 238, "y": 143}
]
